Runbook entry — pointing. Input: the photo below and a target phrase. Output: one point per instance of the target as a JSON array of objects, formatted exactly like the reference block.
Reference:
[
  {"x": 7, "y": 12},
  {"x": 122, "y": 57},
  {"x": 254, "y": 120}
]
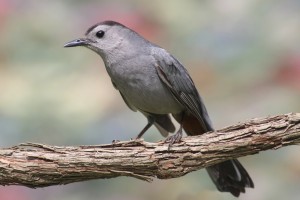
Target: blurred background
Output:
[{"x": 244, "y": 57}]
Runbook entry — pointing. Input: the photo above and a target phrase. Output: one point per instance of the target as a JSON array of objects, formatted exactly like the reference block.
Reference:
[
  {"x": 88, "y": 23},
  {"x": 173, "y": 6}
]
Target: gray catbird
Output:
[{"x": 152, "y": 81}]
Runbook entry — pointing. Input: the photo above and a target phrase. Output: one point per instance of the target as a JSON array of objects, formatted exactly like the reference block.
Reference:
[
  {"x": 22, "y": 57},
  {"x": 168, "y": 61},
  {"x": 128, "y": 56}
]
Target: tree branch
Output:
[{"x": 40, "y": 165}]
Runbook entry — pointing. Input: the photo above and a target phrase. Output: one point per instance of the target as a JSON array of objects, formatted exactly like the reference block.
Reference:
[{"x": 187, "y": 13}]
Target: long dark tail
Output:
[{"x": 229, "y": 176}]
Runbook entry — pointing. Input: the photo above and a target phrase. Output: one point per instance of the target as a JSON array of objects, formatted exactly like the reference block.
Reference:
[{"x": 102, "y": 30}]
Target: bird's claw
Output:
[
  {"x": 115, "y": 141},
  {"x": 173, "y": 139}
]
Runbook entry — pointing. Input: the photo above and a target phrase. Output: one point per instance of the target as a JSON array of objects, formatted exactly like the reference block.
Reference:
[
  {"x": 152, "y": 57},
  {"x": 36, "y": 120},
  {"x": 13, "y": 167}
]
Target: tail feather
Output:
[
  {"x": 230, "y": 176},
  {"x": 164, "y": 124}
]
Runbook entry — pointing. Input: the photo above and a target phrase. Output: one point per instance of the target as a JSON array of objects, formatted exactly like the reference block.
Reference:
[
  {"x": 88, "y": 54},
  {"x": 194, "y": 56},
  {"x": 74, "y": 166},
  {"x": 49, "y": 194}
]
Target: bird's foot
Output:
[
  {"x": 173, "y": 139},
  {"x": 115, "y": 141}
]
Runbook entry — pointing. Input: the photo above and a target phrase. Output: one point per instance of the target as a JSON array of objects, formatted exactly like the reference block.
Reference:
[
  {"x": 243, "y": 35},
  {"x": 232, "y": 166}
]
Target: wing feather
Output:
[{"x": 177, "y": 79}]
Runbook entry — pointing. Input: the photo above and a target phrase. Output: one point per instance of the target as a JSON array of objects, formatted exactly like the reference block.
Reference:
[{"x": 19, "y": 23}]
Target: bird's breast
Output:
[{"x": 142, "y": 88}]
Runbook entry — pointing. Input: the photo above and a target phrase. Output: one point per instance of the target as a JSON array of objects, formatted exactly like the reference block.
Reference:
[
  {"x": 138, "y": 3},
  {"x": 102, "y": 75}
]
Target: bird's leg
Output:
[
  {"x": 177, "y": 136},
  {"x": 149, "y": 124}
]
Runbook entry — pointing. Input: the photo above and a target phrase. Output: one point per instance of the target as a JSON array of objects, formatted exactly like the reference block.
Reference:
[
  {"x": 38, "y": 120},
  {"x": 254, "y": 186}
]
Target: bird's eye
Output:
[{"x": 100, "y": 34}]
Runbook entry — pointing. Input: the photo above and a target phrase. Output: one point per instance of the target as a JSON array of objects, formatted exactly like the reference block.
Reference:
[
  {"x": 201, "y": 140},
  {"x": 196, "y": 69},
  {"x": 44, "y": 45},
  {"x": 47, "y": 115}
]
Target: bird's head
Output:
[{"x": 108, "y": 37}]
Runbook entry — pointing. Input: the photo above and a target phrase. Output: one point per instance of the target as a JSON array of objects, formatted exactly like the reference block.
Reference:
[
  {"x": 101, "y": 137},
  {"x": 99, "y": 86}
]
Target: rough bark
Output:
[{"x": 40, "y": 165}]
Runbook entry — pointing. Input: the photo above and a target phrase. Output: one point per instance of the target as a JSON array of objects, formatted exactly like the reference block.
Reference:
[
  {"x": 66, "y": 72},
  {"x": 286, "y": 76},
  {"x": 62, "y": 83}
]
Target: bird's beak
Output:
[{"x": 77, "y": 42}]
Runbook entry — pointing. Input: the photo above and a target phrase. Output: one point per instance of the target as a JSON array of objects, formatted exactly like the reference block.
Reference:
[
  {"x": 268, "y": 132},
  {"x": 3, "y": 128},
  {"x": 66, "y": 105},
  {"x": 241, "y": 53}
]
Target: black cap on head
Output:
[{"x": 108, "y": 23}]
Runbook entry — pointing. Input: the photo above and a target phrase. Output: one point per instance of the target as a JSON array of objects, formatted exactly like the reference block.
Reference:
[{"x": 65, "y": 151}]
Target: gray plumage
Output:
[{"x": 152, "y": 81}]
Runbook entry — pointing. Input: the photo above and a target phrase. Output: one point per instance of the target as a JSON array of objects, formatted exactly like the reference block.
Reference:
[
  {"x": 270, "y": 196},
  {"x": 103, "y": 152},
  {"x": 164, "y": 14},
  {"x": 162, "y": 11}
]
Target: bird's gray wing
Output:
[{"x": 177, "y": 79}]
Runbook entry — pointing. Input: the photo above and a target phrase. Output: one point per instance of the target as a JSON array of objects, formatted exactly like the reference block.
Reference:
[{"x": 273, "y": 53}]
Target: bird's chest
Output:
[{"x": 142, "y": 88}]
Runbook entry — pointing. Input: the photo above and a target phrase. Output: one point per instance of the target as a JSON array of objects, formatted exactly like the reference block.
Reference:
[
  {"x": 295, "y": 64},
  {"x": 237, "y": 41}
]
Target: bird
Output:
[{"x": 152, "y": 81}]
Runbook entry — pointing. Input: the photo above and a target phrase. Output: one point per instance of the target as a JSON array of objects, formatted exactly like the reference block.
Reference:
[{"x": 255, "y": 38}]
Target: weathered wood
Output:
[{"x": 40, "y": 165}]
